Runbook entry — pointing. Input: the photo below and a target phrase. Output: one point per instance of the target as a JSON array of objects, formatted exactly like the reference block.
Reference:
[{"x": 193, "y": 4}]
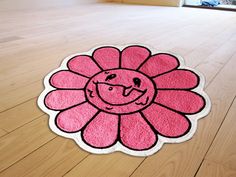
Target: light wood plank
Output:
[
  {"x": 218, "y": 55},
  {"x": 2, "y": 132},
  {"x": 20, "y": 115},
  {"x": 9, "y": 39},
  {"x": 218, "y": 45},
  {"x": 53, "y": 159},
  {"x": 212, "y": 64},
  {"x": 223, "y": 148},
  {"x": 22, "y": 94},
  {"x": 17, "y": 144},
  {"x": 211, "y": 169},
  {"x": 151, "y": 32},
  {"x": 114, "y": 165}
]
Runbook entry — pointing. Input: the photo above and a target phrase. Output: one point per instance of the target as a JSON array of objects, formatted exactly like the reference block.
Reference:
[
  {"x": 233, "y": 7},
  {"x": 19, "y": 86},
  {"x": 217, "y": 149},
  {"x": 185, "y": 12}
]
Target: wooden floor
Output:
[{"x": 33, "y": 42}]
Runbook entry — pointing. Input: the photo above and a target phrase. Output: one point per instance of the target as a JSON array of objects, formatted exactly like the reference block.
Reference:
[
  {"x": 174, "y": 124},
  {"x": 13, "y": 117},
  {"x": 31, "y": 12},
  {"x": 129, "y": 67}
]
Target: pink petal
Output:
[
  {"x": 67, "y": 79},
  {"x": 107, "y": 57},
  {"x": 135, "y": 133},
  {"x": 133, "y": 56},
  {"x": 83, "y": 65},
  {"x": 177, "y": 79},
  {"x": 75, "y": 118},
  {"x": 62, "y": 99},
  {"x": 159, "y": 64},
  {"x": 102, "y": 131},
  {"x": 166, "y": 122},
  {"x": 183, "y": 101}
]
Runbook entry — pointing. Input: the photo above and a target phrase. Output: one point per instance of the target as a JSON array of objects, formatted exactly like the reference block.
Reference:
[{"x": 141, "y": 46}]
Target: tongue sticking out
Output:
[
  {"x": 117, "y": 94},
  {"x": 127, "y": 91}
]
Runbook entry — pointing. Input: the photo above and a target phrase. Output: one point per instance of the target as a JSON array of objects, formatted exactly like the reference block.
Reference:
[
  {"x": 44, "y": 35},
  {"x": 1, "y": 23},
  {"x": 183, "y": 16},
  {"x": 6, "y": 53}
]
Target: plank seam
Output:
[
  {"x": 138, "y": 167},
  {"x": 76, "y": 165},
  {"x": 217, "y": 163},
  {"x": 8, "y": 132},
  {"x": 17, "y": 105},
  {"x": 214, "y": 137},
  {"x": 229, "y": 59},
  {"x": 27, "y": 155}
]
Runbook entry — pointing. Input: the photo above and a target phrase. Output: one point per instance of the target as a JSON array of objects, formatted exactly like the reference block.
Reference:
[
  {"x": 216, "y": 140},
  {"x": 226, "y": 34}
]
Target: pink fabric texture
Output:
[
  {"x": 165, "y": 121},
  {"x": 68, "y": 80},
  {"x": 135, "y": 133},
  {"x": 129, "y": 96},
  {"x": 66, "y": 98},
  {"x": 80, "y": 65},
  {"x": 74, "y": 119},
  {"x": 133, "y": 57},
  {"x": 180, "y": 100},
  {"x": 159, "y": 64},
  {"x": 107, "y": 57},
  {"x": 102, "y": 131},
  {"x": 177, "y": 79}
]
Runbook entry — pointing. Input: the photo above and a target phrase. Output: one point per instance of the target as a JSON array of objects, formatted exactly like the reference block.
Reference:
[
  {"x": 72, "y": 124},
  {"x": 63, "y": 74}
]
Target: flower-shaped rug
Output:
[{"x": 128, "y": 99}]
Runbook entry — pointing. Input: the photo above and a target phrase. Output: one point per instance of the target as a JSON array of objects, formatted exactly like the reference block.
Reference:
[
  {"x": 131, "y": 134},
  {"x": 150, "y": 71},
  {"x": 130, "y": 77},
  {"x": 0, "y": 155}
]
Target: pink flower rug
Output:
[{"x": 128, "y": 99}]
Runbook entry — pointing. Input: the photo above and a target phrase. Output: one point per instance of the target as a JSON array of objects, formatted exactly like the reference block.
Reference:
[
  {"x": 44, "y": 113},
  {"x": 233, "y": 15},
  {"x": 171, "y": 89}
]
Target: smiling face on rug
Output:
[
  {"x": 124, "y": 100},
  {"x": 120, "y": 91}
]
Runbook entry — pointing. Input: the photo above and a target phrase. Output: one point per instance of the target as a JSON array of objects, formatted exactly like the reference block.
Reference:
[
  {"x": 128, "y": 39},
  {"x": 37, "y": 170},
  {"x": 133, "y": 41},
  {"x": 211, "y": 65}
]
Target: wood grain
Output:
[
  {"x": 20, "y": 95},
  {"x": 223, "y": 149},
  {"x": 9, "y": 39},
  {"x": 17, "y": 144},
  {"x": 2, "y": 132},
  {"x": 211, "y": 169},
  {"x": 20, "y": 115},
  {"x": 54, "y": 159},
  {"x": 105, "y": 165},
  {"x": 213, "y": 64}
]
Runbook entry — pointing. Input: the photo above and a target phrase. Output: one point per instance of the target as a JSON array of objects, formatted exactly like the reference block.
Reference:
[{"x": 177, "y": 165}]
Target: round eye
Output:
[
  {"x": 110, "y": 88},
  {"x": 137, "y": 81}
]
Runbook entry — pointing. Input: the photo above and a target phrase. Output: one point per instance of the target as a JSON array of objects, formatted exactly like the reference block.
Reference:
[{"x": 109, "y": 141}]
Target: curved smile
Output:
[{"x": 118, "y": 95}]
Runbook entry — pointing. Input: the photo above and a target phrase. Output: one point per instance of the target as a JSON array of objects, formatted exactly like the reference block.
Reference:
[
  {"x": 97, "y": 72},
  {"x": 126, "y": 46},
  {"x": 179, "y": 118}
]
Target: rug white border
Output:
[{"x": 118, "y": 146}]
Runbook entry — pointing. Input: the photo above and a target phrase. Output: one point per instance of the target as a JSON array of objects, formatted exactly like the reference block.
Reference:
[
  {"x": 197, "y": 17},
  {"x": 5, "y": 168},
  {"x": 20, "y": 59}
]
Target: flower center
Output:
[{"x": 120, "y": 91}]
